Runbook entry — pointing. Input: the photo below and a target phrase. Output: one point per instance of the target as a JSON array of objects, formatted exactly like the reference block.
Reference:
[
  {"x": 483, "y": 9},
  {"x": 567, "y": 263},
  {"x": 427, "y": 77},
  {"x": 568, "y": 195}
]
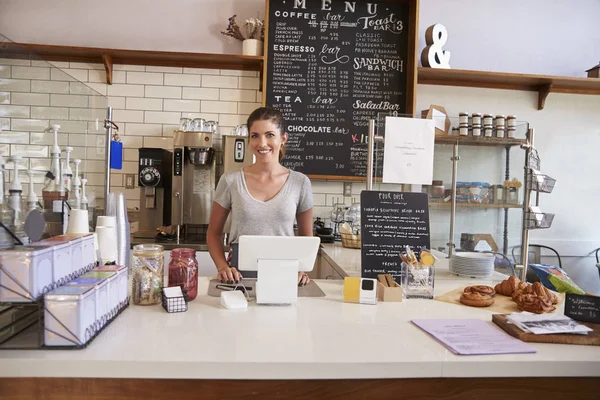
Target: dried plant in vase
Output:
[{"x": 251, "y": 34}]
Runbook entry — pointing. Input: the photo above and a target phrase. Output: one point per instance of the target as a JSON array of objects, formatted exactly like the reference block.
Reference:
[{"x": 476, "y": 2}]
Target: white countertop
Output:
[{"x": 316, "y": 339}]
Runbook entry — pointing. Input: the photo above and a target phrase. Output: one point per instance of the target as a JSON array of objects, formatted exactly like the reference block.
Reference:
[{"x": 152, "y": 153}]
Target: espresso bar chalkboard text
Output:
[
  {"x": 583, "y": 308},
  {"x": 390, "y": 221},
  {"x": 332, "y": 66}
]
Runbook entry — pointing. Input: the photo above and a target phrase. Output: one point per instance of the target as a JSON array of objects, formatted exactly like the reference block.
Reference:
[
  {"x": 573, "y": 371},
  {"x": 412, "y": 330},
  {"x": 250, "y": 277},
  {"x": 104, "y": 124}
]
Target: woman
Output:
[{"x": 264, "y": 198}]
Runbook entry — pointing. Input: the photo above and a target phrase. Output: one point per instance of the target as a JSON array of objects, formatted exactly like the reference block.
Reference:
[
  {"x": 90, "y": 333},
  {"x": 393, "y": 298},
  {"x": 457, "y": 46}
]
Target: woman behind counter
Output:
[{"x": 263, "y": 198}]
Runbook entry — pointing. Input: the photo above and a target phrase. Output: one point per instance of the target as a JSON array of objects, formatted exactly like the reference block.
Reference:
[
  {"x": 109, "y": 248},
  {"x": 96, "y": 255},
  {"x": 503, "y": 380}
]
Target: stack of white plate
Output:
[{"x": 475, "y": 265}]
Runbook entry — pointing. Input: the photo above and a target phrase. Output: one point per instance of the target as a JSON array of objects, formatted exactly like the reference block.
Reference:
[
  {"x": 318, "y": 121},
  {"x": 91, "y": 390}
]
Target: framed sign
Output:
[{"x": 332, "y": 65}]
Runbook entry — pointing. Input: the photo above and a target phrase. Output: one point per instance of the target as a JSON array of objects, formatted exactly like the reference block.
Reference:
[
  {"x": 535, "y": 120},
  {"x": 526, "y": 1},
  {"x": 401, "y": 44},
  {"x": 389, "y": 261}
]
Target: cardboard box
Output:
[{"x": 386, "y": 293}]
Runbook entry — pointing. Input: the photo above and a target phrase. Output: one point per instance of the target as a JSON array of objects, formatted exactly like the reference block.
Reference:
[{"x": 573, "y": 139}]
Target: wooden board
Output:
[
  {"x": 502, "y": 304},
  {"x": 591, "y": 339}
]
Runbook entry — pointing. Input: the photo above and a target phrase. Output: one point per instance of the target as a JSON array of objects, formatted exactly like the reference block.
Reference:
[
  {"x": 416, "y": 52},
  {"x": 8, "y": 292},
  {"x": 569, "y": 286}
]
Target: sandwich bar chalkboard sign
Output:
[
  {"x": 390, "y": 221},
  {"x": 332, "y": 65}
]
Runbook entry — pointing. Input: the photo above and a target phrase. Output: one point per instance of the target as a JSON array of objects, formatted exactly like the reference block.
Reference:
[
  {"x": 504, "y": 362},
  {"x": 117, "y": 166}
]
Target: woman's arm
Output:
[
  {"x": 214, "y": 240},
  {"x": 305, "y": 228}
]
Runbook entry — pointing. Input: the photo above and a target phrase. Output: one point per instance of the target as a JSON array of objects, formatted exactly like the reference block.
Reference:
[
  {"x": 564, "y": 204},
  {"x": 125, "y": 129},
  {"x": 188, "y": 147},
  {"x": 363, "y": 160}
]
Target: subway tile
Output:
[
  {"x": 18, "y": 124},
  {"x": 132, "y": 142},
  {"x": 200, "y": 93},
  {"x": 31, "y": 150},
  {"x": 163, "y": 92},
  {"x": 14, "y": 61},
  {"x": 60, "y": 75},
  {"x": 127, "y": 67},
  {"x": 249, "y": 83},
  {"x": 96, "y": 179},
  {"x": 131, "y": 154},
  {"x": 50, "y": 113},
  {"x": 4, "y": 71},
  {"x": 5, "y": 124},
  {"x": 30, "y": 99},
  {"x": 99, "y": 88},
  {"x": 247, "y": 108},
  {"x": 19, "y": 72},
  {"x": 98, "y": 102},
  {"x": 143, "y": 129},
  {"x": 14, "y": 111},
  {"x": 50, "y": 87},
  {"x": 218, "y": 81},
  {"x": 78, "y": 65},
  {"x": 78, "y": 88},
  {"x": 126, "y": 90},
  {"x": 145, "y": 78},
  {"x": 140, "y": 103},
  {"x": 95, "y": 166},
  {"x": 15, "y": 85},
  {"x": 232, "y": 119},
  {"x": 14, "y": 137},
  {"x": 162, "y": 117},
  {"x": 159, "y": 142},
  {"x": 128, "y": 116},
  {"x": 206, "y": 116},
  {"x": 237, "y": 95},
  {"x": 71, "y": 74},
  {"x": 117, "y": 102},
  {"x": 96, "y": 127},
  {"x": 79, "y": 139},
  {"x": 168, "y": 130},
  {"x": 319, "y": 199},
  {"x": 225, "y": 107},
  {"x": 259, "y": 97},
  {"x": 47, "y": 138},
  {"x": 151, "y": 68},
  {"x": 40, "y": 163},
  {"x": 5, "y": 149},
  {"x": 233, "y": 72},
  {"x": 95, "y": 153},
  {"x": 68, "y": 100},
  {"x": 183, "y": 80},
  {"x": 336, "y": 188},
  {"x": 98, "y": 76},
  {"x": 41, "y": 63},
  {"x": 82, "y": 114},
  {"x": 55, "y": 64},
  {"x": 5, "y": 97},
  {"x": 130, "y": 167},
  {"x": 182, "y": 105},
  {"x": 200, "y": 71}
]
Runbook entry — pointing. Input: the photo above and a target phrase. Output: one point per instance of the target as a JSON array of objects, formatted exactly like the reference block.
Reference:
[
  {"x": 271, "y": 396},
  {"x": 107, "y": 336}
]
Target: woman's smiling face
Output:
[{"x": 266, "y": 140}]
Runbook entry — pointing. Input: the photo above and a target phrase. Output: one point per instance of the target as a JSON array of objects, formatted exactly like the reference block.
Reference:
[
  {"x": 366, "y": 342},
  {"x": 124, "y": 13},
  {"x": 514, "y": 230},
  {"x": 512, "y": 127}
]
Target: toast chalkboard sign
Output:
[
  {"x": 390, "y": 221},
  {"x": 583, "y": 308},
  {"x": 332, "y": 65}
]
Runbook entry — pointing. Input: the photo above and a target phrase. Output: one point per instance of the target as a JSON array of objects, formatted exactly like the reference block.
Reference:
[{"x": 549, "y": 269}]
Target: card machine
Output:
[{"x": 239, "y": 150}]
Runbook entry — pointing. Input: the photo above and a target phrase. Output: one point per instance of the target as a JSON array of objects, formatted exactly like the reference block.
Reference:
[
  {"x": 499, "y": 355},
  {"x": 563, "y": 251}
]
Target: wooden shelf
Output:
[
  {"x": 479, "y": 141},
  {"x": 108, "y": 57},
  {"x": 473, "y": 205},
  {"x": 543, "y": 84}
]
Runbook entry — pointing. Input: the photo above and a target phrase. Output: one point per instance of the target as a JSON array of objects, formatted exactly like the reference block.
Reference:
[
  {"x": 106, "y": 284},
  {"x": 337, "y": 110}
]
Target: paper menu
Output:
[
  {"x": 408, "y": 151},
  {"x": 472, "y": 337},
  {"x": 547, "y": 324}
]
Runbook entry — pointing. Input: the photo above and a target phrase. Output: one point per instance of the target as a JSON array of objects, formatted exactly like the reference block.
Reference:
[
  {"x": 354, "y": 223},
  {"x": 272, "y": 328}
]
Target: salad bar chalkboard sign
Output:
[
  {"x": 332, "y": 65},
  {"x": 390, "y": 221}
]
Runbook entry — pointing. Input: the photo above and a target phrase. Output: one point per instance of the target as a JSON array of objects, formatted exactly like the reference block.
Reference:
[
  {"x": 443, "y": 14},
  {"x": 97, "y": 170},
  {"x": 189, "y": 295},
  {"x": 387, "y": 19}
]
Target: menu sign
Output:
[
  {"x": 332, "y": 66},
  {"x": 390, "y": 221},
  {"x": 583, "y": 307}
]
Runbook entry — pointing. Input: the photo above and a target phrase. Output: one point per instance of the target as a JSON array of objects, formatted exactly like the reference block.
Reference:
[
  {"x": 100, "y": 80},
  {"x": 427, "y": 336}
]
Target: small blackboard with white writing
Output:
[
  {"x": 583, "y": 308},
  {"x": 390, "y": 221}
]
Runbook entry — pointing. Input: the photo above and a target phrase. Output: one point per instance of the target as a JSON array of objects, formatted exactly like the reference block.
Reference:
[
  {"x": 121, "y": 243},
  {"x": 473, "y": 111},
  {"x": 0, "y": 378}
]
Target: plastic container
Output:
[
  {"x": 183, "y": 271},
  {"x": 26, "y": 273},
  {"x": 120, "y": 281},
  {"x": 69, "y": 315}
]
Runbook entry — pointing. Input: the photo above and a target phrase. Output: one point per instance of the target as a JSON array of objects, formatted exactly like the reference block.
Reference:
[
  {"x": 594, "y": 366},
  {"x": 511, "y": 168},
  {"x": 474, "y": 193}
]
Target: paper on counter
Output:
[
  {"x": 472, "y": 337},
  {"x": 544, "y": 324},
  {"x": 408, "y": 151},
  {"x": 174, "y": 291}
]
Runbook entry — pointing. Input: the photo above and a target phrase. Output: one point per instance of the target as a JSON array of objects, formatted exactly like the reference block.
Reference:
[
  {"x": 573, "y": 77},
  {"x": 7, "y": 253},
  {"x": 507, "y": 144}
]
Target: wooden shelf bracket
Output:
[
  {"x": 543, "y": 92},
  {"x": 108, "y": 66}
]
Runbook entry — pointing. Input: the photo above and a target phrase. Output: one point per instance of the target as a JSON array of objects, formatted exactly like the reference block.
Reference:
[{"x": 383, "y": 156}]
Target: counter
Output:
[{"x": 341, "y": 346}]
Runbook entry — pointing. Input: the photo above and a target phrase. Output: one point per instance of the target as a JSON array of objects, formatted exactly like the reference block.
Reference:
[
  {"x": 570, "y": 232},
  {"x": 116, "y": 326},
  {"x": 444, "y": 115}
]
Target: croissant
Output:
[
  {"x": 540, "y": 290},
  {"x": 507, "y": 286}
]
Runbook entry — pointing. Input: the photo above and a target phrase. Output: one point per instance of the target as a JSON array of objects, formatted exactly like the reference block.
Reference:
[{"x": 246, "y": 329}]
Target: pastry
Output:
[
  {"x": 542, "y": 291},
  {"x": 534, "y": 303},
  {"x": 475, "y": 299},
  {"x": 482, "y": 289},
  {"x": 507, "y": 286},
  {"x": 520, "y": 287}
]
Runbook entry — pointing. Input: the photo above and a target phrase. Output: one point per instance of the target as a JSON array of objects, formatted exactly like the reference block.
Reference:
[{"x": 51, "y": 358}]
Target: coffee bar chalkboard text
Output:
[
  {"x": 390, "y": 221},
  {"x": 583, "y": 307},
  {"x": 332, "y": 65}
]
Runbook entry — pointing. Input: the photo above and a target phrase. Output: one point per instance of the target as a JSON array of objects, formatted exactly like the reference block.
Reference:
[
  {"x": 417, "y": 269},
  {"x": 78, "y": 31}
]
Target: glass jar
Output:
[
  {"x": 183, "y": 271},
  {"x": 437, "y": 189},
  {"x": 147, "y": 269}
]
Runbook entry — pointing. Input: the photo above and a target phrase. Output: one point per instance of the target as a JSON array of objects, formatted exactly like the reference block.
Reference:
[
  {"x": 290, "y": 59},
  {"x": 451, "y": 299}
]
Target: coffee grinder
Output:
[{"x": 155, "y": 180}]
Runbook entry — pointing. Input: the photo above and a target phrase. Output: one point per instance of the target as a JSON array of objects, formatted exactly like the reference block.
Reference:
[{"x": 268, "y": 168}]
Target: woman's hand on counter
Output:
[
  {"x": 229, "y": 275},
  {"x": 303, "y": 279}
]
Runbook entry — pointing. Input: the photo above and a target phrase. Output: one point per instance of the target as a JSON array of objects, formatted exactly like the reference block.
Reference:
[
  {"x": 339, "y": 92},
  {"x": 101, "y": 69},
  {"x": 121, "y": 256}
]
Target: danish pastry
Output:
[
  {"x": 534, "y": 303},
  {"x": 482, "y": 289},
  {"x": 475, "y": 299}
]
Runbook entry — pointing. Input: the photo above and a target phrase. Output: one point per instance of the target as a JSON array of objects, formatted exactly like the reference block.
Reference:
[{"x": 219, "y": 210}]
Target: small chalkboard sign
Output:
[
  {"x": 583, "y": 308},
  {"x": 390, "y": 221}
]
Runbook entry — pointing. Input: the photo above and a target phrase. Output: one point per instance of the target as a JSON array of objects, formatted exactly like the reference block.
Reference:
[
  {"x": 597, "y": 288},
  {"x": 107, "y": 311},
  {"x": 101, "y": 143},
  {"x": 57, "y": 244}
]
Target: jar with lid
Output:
[
  {"x": 437, "y": 189},
  {"x": 183, "y": 271},
  {"x": 147, "y": 269}
]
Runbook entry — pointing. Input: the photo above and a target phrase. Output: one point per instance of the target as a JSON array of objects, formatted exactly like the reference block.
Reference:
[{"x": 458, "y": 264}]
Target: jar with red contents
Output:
[{"x": 183, "y": 271}]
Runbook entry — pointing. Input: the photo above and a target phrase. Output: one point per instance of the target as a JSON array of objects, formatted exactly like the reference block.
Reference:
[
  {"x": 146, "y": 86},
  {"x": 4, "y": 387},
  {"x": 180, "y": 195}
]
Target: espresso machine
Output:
[
  {"x": 194, "y": 182},
  {"x": 154, "y": 179}
]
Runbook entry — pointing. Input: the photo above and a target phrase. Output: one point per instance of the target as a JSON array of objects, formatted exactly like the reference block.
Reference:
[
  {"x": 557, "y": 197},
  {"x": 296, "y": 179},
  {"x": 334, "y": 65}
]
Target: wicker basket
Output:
[{"x": 350, "y": 241}]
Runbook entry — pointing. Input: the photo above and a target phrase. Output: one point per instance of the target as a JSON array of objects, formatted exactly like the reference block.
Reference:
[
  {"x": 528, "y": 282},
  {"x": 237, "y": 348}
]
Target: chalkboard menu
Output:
[
  {"x": 583, "y": 308},
  {"x": 332, "y": 66},
  {"x": 390, "y": 221}
]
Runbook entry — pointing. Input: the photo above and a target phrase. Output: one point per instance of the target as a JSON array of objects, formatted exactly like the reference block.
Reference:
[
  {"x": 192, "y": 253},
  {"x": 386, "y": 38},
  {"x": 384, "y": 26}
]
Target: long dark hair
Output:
[{"x": 269, "y": 114}]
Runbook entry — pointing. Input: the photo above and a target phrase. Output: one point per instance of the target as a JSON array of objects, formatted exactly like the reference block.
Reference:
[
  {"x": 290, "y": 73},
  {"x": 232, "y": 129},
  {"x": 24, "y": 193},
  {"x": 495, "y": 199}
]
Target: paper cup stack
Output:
[
  {"x": 106, "y": 234},
  {"x": 78, "y": 222}
]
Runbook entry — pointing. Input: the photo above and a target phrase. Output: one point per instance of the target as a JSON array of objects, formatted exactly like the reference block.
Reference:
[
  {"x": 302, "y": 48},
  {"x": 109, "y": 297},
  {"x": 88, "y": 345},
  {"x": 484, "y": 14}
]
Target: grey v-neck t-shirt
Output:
[{"x": 274, "y": 217}]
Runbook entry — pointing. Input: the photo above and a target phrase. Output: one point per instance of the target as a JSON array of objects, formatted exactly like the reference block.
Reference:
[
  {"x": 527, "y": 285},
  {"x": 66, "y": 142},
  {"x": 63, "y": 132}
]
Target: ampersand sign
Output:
[{"x": 433, "y": 55}]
